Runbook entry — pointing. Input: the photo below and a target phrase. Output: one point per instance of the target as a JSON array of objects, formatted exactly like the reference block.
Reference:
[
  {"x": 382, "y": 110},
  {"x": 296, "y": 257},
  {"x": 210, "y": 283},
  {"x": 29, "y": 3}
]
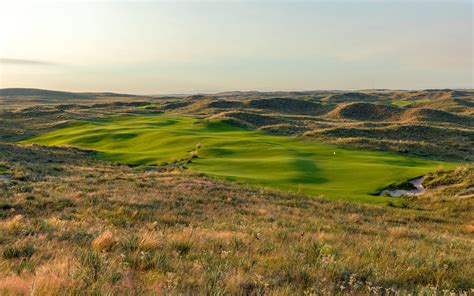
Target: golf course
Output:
[{"x": 222, "y": 150}]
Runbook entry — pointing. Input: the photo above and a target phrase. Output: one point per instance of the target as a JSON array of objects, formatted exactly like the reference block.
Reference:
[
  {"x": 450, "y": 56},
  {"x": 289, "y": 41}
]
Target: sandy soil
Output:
[{"x": 400, "y": 192}]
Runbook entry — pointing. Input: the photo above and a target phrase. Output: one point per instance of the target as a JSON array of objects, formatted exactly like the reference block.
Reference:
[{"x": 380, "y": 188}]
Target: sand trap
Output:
[{"x": 400, "y": 192}]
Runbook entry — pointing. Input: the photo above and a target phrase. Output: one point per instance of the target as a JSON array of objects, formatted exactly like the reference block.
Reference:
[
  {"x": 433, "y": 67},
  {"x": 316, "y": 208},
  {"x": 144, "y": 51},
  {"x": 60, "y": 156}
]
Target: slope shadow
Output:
[{"x": 307, "y": 171}]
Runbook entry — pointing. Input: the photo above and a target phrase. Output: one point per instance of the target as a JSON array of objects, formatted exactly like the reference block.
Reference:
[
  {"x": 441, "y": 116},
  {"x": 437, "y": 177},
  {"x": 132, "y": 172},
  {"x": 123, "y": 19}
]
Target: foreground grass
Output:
[
  {"x": 222, "y": 150},
  {"x": 72, "y": 225}
]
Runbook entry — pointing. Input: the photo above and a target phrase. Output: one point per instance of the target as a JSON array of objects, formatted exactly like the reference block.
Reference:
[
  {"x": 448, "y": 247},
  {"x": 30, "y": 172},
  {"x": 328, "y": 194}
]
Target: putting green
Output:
[{"x": 247, "y": 156}]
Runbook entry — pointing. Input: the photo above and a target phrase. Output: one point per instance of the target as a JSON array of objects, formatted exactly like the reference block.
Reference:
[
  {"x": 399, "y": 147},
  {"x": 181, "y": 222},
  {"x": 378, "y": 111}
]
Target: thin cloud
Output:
[{"x": 25, "y": 62}]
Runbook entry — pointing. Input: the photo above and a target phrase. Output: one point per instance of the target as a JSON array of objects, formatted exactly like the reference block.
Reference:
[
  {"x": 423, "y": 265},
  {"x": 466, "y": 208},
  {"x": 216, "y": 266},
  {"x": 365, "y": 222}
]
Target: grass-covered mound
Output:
[
  {"x": 289, "y": 106},
  {"x": 366, "y": 112},
  {"x": 227, "y": 151},
  {"x": 431, "y": 115}
]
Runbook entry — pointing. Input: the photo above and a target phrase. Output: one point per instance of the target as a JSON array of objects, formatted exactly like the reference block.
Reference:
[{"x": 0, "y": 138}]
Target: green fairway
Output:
[{"x": 247, "y": 156}]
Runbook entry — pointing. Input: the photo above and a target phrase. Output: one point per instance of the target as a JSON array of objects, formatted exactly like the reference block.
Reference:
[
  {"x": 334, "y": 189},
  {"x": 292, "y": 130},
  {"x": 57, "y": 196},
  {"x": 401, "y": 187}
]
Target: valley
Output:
[{"x": 233, "y": 153}]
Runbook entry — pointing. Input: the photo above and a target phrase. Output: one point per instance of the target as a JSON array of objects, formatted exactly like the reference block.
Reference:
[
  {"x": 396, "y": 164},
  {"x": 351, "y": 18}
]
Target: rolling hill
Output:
[{"x": 238, "y": 193}]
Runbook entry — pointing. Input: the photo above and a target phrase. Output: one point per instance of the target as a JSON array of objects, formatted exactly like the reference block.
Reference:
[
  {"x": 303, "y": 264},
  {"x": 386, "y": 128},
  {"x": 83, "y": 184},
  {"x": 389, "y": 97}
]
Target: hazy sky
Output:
[{"x": 197, "y": 46}]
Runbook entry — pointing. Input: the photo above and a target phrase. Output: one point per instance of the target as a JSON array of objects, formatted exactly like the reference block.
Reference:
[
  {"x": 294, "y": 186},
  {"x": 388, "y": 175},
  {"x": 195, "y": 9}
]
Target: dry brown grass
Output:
[
  {"x": 150, "y": 241},
  {"x": 469, "y": 228},
  {"x": 399, "y": 231},
  {"x": 353, "y": 218},
  {"x": 15, "y": 285},
  {"x": 55, "y": 276},
  {"x": 104, "y": 242},
  {"x": 14, "y": 224}
]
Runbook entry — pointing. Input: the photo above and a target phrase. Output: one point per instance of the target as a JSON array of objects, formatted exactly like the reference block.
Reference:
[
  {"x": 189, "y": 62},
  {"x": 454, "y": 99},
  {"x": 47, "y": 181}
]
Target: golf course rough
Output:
[{"x": 252, "y": 157}]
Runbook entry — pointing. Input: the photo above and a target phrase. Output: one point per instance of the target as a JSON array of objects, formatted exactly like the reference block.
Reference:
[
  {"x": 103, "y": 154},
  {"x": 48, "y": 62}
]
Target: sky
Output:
[{"x": 159, "y": 47}]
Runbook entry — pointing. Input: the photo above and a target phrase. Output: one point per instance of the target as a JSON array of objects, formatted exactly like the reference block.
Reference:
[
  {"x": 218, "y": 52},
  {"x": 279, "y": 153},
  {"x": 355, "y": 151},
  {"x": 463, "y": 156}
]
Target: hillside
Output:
[
  {"x": 47, "y": 94},
  {"x": 71, "y": 223},
  {"x": 317, "y": 114},
  {"x": 350, "y": 97},
  {"x": 237, "y": 194},
  {"x": 305, "y": 115},
  {"x": 21, "y": 97},
  {"x": 366, "y": 112}
]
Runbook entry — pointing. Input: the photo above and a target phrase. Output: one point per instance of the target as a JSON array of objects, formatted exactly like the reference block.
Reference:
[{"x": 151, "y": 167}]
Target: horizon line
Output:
[{"x": 243, "y": 91}]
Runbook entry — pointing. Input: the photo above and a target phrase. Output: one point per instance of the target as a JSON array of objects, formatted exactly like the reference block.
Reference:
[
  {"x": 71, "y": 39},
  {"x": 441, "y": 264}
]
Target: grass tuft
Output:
[
  {"x": 21, "y": 251},
  {"x": 104, "y": 242}
]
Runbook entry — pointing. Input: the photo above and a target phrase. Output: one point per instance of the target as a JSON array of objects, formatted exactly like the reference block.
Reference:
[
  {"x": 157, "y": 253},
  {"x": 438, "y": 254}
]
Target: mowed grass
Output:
[
  {"x": 236, "y": 154},
  {"x": 407, "y": 102}
]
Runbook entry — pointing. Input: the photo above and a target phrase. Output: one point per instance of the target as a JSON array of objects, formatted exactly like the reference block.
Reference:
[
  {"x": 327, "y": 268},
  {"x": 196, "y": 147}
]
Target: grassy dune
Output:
[{"x": 226, "y": 151}]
